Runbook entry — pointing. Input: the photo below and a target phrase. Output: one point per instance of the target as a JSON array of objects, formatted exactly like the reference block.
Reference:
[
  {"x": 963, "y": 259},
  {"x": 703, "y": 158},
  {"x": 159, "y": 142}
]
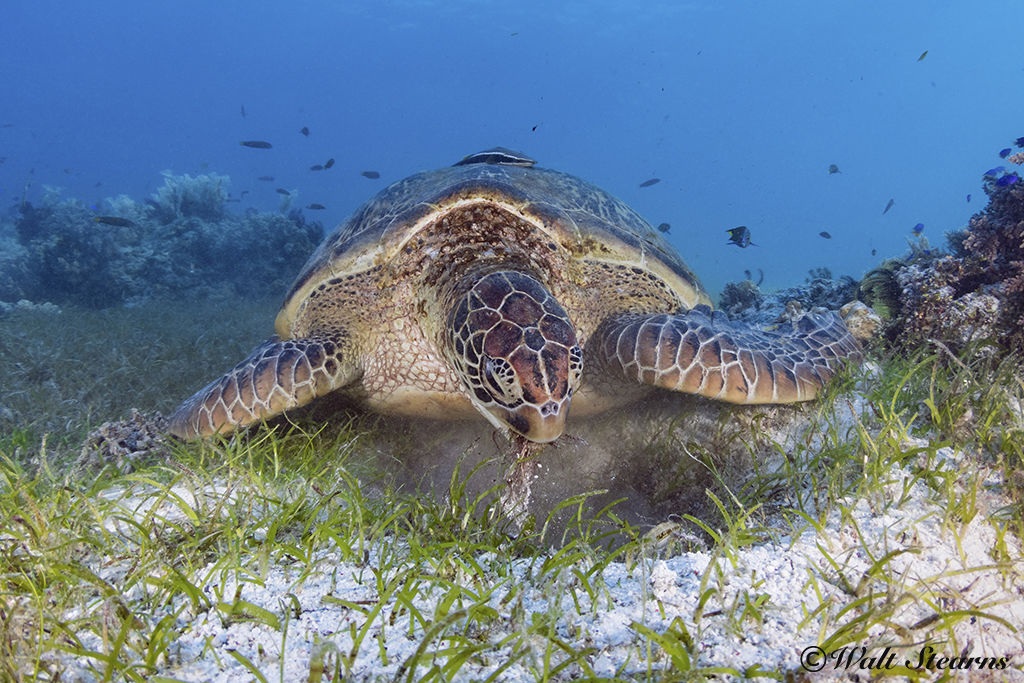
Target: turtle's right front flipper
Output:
[{"x": 277, "y": 376}]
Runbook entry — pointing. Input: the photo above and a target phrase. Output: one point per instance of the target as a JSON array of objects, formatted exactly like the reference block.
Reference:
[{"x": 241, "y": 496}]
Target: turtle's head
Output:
[{"x": 515, "y": 350}]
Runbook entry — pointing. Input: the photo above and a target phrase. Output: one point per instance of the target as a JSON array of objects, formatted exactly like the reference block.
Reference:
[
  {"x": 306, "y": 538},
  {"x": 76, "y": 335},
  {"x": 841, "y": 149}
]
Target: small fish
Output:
[
  {"x": 1008, "y": 179},
  {"x": 740, "y": 236},
  {"x": 874, "y": 252},
  {"x": 329, "y": 163},
  {"x": 918, "y": 229},
  {"x": 1005, "y": 152},
  {"x": 305, "y": 131},
  {"x": 825, "y": 234},
  {"x": 243, "y": 111},
  {"x": 832, "y": 168},
  {"x": 968, "y": 198},
  {"x": 664, "y": 227},
  {"x": 888, "y": 206},
  {"x": 372, "y": 175},
  {"x": 993, "y": 172},
  {"x": 316, "y": 167},
  {"x": 316, "y": 207},
  {"x": 748, "y": 275},
  {"x": 281, "y": 190},
  {"x": 256, "y": 144},
  {"x": 923, "y": 55},
  {"x": 266, "y": 178},
  {"x": 652, "y": 181},
  {"x": 114, "y": 220},
  {"x": 1019, "y": 142}
]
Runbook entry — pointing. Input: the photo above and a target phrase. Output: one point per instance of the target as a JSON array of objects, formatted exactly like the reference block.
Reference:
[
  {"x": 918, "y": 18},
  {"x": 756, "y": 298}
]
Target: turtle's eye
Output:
[{"x": 500, "y": 377}]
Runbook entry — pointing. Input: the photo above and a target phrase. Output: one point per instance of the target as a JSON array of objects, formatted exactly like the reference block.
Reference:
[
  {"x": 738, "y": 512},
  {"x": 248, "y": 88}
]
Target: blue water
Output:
[{"x": 739, "y": 108}]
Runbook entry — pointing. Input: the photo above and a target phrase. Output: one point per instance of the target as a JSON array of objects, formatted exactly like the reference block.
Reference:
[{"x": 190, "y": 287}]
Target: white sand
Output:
[{"x": 944, "y": 568}]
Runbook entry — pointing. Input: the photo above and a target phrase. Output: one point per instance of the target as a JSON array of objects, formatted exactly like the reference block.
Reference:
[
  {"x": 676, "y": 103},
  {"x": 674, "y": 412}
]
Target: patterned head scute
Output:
[{"x": 516, "y": 351}]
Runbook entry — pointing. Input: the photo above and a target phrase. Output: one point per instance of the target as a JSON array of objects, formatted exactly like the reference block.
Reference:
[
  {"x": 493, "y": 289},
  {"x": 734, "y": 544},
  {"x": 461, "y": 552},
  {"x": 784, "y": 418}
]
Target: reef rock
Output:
[{"x": 863, "y": 323}]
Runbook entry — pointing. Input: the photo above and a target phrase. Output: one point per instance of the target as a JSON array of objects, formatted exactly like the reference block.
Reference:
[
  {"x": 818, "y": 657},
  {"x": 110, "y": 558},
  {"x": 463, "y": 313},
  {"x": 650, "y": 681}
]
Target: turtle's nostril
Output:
[{"x": 548, "y": 409}]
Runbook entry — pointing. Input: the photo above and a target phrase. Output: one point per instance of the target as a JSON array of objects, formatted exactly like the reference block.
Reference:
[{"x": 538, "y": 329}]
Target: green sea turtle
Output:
[{"x": 497, "y": 288}]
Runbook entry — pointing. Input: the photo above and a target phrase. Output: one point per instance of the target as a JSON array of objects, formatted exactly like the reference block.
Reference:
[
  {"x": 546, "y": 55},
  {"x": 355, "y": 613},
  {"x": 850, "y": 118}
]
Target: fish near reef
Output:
[
  {"x": 316, "y": 167},
  {"x": 316, "y": 207},
  {"x": 329, "y": 163},
  {"x": 917, "y": 229},
  {"x": 740, "y": 236},
  {"x": 508, "y": 294},
  {"x": 372, "y": 175},
  {"x": 652, "y": 181},
  {"x": 256, "y": 144},
  {"x": 664, "y": 227},
  {"x": 1005, "y": 152},
  {"x": 825, "y": 234},
  {"x": 888, "y": 206},
  {"x": 833, "y": 169},
  {"x": 114, "y": 220},
  {"x": 281, "y": 190},
  {"x": 305, "y": 131},
  {"x": 1008, "y": 179}
]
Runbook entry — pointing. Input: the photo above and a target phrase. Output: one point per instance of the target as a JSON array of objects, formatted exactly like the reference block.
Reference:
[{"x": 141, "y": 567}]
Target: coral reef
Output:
[
  {"x": 823, "y": 291},
  {"x": 745, "y": 300},
  {"x": 183, "y": 196},
  {"x": 739, "y": 296},
  {"x": 974, "y": 293},
  {"x": 13, "y": 265},
  {"x": 180, "y": 242}
]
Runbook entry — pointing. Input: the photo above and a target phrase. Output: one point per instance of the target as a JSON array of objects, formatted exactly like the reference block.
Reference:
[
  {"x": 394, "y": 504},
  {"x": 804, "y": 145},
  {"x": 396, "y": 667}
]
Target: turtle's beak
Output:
[{"x": 540, "y": 424}]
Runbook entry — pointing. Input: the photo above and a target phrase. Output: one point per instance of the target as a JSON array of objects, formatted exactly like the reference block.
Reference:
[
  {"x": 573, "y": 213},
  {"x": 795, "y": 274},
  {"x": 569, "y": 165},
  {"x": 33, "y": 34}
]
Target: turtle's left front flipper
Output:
[{"x": 703, "y": 352}]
